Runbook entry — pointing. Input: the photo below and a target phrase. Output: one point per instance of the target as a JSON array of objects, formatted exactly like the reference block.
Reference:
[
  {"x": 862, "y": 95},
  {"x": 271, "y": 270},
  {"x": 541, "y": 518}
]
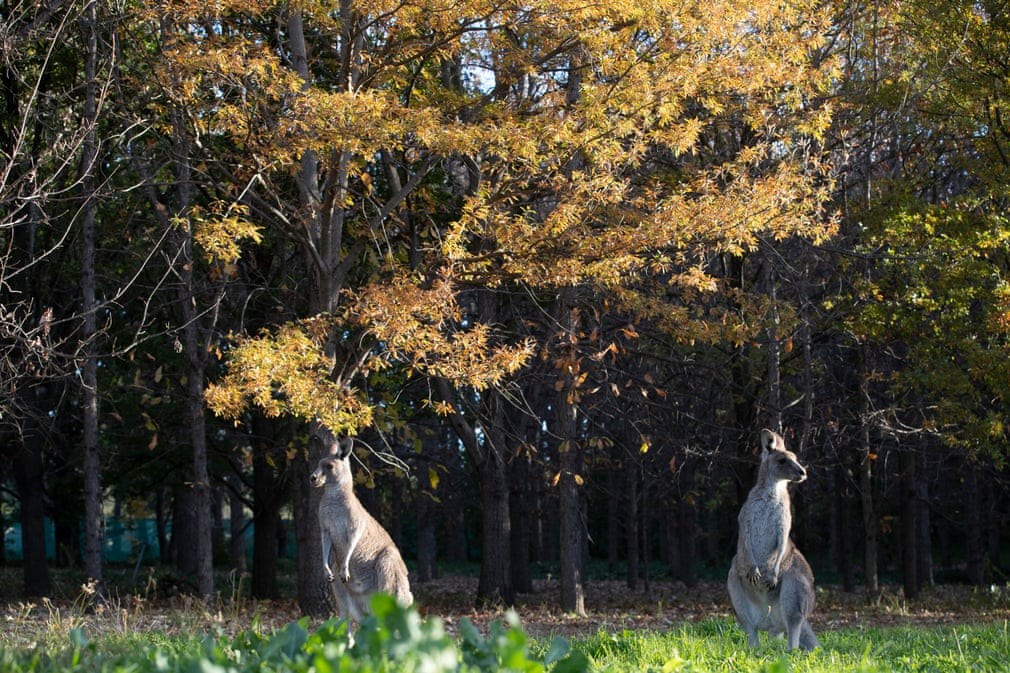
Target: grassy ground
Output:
[
  {"x": 718, "y": 646},
  {"x": 663, "y": 627}
]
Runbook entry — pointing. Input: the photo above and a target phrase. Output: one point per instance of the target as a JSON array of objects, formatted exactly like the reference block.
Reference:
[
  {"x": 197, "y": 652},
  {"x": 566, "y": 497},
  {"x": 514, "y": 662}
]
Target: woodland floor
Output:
[{"x": 610, "y": 605}]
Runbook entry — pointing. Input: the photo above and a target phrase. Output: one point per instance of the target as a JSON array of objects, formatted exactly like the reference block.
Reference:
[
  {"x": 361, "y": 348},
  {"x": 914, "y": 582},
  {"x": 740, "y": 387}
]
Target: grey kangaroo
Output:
[
  {"x": 366, "y": 560},
  {"x": 770, "y": 584}
]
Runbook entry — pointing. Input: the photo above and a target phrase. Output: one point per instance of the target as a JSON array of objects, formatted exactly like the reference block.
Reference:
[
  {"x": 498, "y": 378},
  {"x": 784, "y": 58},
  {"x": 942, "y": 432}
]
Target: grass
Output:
[
  {"x": 713, "y": 645},
  {"x": 663, "y": 630},
  {"x": 717, "y": 646}
]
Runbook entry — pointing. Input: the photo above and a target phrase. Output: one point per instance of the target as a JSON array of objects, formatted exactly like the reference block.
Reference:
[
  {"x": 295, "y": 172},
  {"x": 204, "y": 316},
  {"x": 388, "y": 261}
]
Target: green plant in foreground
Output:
[
  {"x": 392, "y": 639},
  {"x": 397, "y": 640}
]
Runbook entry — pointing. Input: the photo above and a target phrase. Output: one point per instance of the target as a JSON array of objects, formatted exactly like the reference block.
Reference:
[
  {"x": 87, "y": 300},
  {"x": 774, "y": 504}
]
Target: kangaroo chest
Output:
[
  {"x": 765, "y": 520},
  {"x": 341, "y": 519}
]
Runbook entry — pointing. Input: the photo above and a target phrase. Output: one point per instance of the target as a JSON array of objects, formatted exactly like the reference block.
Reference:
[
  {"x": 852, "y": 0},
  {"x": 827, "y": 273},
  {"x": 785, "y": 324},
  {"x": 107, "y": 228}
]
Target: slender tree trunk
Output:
[
  {"x": 28, "y": 473},
  {"x": 613, "y": 517},
  {"x": 311, "y": 585},
  {"x": 30, "y": 391},
  {"x": 572, "y": 538},
  {"x": 973, "y": 524},
  {"x": 909, "y": 526},
  {"x": 923, "y": 536},
  {"x": 195, "y": 365},
  {"x": 427, "y": 549},
  {"x": 644, "y": 534},
  {"x": 91, "y": 466},
  {"x": 520, "y": 515},
  {"x": 452, "y": 505},
  {"x": 323, "y": 250},
  {"x": 841, "y": 515},
  {"x": 572, "y": 534},
  {"x": 871, "y": 530},
  {"x": 183, "y": 545},
  {"x": 236, "y": 526},
  {"x": 687, "y": 519},
  {"x": 631, "y": 518},
  {"x": 267, "y": 499},
  {"x": 991, "y": 518},
  {"x": 774, "y": 355},
  {"x": 495, "y": 584}
]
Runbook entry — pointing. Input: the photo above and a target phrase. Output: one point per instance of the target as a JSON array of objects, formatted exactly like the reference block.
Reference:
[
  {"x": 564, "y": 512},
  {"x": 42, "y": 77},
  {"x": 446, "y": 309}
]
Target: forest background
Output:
[{"x": 554, "y": 264}]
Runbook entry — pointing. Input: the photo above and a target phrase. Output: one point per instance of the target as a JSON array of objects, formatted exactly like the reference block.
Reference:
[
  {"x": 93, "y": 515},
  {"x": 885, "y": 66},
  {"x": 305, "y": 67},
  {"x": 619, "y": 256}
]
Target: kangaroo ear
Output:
[
  {"x": 769, "y": 440},
  {"x": 333, "y": 447},
  {"x": 342, "y": 447}
]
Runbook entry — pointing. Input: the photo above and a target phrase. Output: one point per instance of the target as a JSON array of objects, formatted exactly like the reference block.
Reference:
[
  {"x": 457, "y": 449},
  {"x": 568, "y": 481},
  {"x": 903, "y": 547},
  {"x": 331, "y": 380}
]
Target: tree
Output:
[
  {"x": 40, "y": 162},
  {"x": 611, "y": 187},
  {"x": 93, "y": 514}
]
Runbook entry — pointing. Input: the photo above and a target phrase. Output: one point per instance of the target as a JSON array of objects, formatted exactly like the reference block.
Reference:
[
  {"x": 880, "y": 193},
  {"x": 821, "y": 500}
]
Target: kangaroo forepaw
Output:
[
  {"x": 329, "y": 576},
  {"x": 345, "y": 577},
  {"x": 754, "y": 576}
]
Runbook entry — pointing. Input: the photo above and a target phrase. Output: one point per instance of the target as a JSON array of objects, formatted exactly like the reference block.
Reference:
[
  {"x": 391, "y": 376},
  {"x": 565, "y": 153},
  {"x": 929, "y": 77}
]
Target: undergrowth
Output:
[
  {"x": 391, "y": 640},
  {"x": 401, "y": 641}
]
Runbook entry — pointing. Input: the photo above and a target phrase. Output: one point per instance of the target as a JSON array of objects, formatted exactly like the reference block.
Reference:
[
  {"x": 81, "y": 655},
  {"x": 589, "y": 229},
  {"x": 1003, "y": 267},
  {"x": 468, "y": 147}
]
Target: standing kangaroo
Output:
[
  {"x": 770, "y": 584},
  {"x": 366, "y": 558}
]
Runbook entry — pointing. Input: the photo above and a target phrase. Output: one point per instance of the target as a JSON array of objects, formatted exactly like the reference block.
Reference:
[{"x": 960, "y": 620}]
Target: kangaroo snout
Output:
[{"x": 801, "y": 474}]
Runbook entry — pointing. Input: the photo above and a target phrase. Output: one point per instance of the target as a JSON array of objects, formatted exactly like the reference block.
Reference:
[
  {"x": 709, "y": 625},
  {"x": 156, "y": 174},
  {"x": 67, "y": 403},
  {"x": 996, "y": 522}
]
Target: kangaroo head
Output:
[
  {"x": 778, "y": 462},
  {"x": 334, "y": 467}
]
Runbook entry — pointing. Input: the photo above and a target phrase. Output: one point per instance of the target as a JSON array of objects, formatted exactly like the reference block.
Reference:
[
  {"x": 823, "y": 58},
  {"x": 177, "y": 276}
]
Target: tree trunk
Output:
[
  {"x": 569, "y": 478},
  {"x": 520, "y": 516},
  {"x": 774, "y": 404},
  {"x": 495, "y": 584},
  {"x": 572, "y": 538},
  {"x": 267, "y": 499},
  {"x": 451, "y": 508},
  {"x": 427, "y": 549},
  {"x": 644, "y": 534},
  {"x": 312, "y": 588},
  {"x": 871, "y": 530},
  {"x": 841, "y": 528},
  {"x": 631, "y": 515},
  {"x": 195, "y": 366},
  {"x": 993, "y": 519},
  {"x": 28, "y": 473},
  {"x": 687, "y": 520},
  {"x": 909, "y": 526},
  {"x": 323, "y": 250},
  {"x": 973, "y": 524},
  {"x": 924, "y": 543},
  {"x": 613, "y": 517},
  {"x": 183, "y": 545},
  {"x": 91, "y": 465},
  {"x": 236, "y": 527}
]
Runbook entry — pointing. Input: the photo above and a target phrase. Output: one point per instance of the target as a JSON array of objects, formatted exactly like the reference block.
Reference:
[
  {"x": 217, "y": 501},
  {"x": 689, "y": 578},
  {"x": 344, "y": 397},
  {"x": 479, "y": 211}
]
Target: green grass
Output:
[
  {"x": 400, "y": 641},
  {"x": 719, "y": 646}
]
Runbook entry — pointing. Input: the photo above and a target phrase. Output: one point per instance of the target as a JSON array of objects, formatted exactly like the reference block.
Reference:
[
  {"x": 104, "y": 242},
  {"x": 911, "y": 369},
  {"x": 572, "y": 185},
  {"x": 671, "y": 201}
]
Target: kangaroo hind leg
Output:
[
  {"x": 795, "y": 603},
  {"x": 748, "y": 613}
]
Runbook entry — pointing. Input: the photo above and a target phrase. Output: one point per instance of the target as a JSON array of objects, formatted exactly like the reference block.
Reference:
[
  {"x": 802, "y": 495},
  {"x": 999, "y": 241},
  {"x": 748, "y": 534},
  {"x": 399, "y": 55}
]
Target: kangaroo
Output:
[
  {"x": 770, "y": 584},
  {"x": 366, "y": 558}
]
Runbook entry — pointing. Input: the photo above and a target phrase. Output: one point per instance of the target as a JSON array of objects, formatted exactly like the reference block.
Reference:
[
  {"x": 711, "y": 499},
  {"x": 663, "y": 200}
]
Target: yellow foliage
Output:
[
  {"x": 219, "y": 232},
  {"x": 616, "y": 145}
]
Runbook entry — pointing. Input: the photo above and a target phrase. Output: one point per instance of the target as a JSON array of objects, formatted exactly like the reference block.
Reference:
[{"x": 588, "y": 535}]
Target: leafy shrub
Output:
[{"x": 391, "y": 640}]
